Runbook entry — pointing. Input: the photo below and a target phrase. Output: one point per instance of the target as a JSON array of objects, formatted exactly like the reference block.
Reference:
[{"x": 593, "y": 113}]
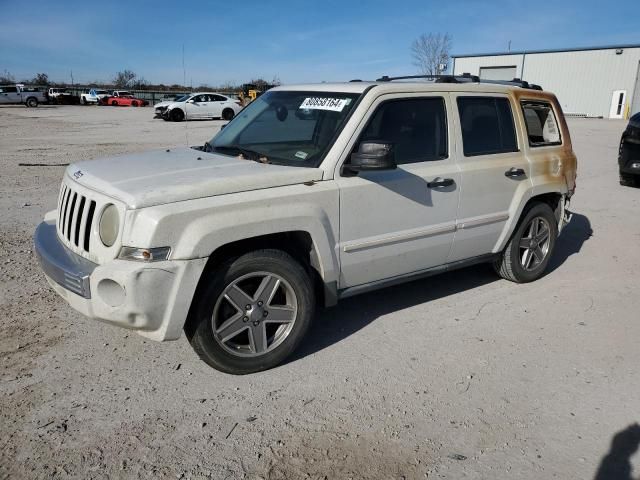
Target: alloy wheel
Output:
[
  {"x": 254, "y": 314},
  {"x": 534, "y": 244}
]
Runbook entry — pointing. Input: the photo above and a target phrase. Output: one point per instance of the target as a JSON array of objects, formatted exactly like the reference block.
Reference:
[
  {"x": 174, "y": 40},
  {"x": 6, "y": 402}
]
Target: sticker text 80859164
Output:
[{"x": 320, "y": 103}]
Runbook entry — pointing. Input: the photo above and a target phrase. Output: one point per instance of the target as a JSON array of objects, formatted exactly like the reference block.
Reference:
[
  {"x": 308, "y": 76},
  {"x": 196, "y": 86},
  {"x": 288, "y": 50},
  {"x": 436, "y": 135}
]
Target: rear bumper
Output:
[
  {"x": 153, "y": 299},
  {"x": 629, "y": 158}
]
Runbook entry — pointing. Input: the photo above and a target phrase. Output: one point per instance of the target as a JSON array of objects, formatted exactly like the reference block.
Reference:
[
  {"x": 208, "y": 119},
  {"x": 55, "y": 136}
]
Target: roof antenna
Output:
[{"x": 184, "y": 84}]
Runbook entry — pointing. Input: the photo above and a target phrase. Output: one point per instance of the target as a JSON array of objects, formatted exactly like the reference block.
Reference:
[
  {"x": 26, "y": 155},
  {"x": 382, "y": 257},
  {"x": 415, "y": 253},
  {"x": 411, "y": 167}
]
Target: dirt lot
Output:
[{"x": 457, "y": 376}]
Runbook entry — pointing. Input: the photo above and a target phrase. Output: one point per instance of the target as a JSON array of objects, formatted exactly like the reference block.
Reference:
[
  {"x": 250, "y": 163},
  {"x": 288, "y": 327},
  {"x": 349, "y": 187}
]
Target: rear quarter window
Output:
[{"x": 541, "y": 123}]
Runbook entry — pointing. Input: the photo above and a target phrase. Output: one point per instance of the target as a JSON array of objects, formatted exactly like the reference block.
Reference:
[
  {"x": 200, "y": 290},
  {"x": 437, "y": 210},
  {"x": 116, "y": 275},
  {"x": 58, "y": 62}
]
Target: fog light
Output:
[{"x": 111, "y": 292}]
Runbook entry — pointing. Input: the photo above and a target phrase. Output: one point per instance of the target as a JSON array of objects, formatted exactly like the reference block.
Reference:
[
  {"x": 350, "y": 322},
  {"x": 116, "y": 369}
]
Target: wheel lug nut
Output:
[
  {"x": 247, "y": 307},
  {"x": 265, "y": 313},
  {"x": 260, "y": 303},
  {"x": 245, "y": 319},
  {"x": 255, "y": 324}
]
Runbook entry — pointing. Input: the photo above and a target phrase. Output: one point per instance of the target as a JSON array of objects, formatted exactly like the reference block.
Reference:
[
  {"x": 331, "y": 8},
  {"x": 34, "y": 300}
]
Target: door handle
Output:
[
  {"x": 514, "y": 172},
  {"x": 440, "y": 182}
]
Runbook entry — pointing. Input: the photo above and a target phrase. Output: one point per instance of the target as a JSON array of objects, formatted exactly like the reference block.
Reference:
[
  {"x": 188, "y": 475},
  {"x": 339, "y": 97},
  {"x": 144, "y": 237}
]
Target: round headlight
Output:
[{"x": 109, "y": 225}]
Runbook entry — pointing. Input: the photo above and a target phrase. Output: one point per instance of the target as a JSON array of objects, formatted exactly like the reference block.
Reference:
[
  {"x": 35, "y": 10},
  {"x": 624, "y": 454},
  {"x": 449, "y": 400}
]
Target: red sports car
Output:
[{"x": 124, "y": 98}]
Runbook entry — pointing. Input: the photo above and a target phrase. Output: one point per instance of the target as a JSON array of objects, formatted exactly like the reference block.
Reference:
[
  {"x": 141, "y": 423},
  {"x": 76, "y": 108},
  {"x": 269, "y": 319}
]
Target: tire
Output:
[
  {"x": 242, "y": 278},
  {"x": 228, "y": 114},
  {"x": 176, "y": 115},
  {"x": 515, "y": 264},
  {"x": 134, "y": 103},
  {"x": 32, "y": 102},
  {"x": 114, "y": 103},
  {"x": 629, "y": 180},
  {"x": 84, "y": 101}
]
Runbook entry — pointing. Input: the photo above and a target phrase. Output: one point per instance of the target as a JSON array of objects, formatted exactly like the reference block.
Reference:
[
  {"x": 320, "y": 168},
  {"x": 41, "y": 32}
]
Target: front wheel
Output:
[
  {"x": 134, "y": 104},
  {"x": 252, "y": 312},
  {"x": 527, "y": 254},
  {"x": 629, "y": 180},
  {"x": 176, "y": 115},
  {"x": 32, "y": 102},
  {"x": 114, "y": 103}
]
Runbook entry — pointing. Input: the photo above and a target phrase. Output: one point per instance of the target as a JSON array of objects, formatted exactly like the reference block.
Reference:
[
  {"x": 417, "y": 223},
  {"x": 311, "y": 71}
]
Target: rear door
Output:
[
  {"x": 196, "y": 107},
  {"x": 494, "y": 171},
  {"x": 397, "y": 222},
  {"x": 218, "y": 103}
]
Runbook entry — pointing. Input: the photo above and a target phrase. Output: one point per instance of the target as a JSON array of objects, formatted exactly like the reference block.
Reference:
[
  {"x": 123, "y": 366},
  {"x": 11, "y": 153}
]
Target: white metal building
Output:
[{"x": 596, "y": 81}]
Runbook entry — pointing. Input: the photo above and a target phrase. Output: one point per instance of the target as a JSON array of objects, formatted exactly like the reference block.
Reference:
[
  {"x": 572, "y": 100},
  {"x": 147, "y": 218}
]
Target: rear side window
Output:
[
  {"x": 417, "y": 127},
  {"x": 542, "y": 126},
  {"x": 9, "y": 89},
  {"x": 487, "y": 126}
]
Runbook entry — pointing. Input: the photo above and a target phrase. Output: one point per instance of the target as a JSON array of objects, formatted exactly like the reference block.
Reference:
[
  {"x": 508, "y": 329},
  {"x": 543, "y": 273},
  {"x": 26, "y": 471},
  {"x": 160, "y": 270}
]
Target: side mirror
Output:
[
  {"x": 191, "y": 100},
  {"x": 373, "y": 156}
]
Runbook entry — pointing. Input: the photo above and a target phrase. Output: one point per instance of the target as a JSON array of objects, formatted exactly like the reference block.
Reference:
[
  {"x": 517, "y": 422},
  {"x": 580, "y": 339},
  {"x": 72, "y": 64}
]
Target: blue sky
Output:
[{"x": 296, "y": 41}]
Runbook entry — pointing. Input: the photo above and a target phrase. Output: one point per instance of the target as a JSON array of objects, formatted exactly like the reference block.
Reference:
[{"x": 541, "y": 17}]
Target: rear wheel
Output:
[
  {"x": 114, "y": 103},
  {"x": 527, "y": 254},
  {"x": 176, "y": 115},
  {"x": 134, "y": 103},
  {"x": 629, "y": 180},
  {"x": 32, "y": 102},
  {"x": 252, "y": 312},
  {"x": 227, "y": 114}
]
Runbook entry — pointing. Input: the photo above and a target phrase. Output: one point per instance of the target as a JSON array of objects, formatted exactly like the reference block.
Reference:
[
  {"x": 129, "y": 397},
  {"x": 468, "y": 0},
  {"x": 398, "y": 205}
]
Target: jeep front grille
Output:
[{"x": 75, "y": 217}]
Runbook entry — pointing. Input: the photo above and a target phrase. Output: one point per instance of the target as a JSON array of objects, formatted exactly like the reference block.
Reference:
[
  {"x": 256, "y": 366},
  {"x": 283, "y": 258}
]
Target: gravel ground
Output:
[{"x": 457, "y": 376}]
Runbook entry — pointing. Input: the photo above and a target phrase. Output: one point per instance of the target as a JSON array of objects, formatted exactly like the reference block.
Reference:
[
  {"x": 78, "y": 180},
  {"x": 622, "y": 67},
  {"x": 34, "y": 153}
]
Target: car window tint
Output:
[
  {"x": 542, "y": 127},
  {"x": 9, "y": 89},
  {"x": 218, "y": 98},
  {"x": 487, "y": 125},
  {"x": 417, "y": 128}
]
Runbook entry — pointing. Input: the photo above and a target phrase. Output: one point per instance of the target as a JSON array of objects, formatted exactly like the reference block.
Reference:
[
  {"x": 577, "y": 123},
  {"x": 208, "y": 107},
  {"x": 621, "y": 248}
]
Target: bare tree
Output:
[
  {"x": 430, "y": 52},
  {"x": 124, "y": 79},
  {"x": 6, "y": 77},
  {"x": 40, "y": 79}
]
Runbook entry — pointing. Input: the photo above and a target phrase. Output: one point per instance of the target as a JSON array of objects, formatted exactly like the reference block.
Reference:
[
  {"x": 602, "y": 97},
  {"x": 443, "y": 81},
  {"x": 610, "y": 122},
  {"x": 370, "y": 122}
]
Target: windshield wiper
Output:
[{"x": 246, "y": 153}]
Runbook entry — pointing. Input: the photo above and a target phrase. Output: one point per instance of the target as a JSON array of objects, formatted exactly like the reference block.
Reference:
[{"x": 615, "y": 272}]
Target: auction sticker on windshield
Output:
[{"x": 320, "y": 103}]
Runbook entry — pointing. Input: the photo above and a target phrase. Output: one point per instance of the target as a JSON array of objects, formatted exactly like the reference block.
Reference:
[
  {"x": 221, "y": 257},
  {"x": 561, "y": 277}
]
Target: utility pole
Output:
[{"x": 509, "y": 46}]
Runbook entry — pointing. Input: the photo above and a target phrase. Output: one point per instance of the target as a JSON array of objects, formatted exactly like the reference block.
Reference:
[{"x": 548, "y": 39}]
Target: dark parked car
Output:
[{"x": 629, "y": 156}]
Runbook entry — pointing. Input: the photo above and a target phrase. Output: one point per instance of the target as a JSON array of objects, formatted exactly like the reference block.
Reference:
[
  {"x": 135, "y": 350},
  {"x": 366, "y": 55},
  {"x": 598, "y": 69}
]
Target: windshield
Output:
[
  {"x": 286, "y": 127},
  {"x": 182, "y": 98}
]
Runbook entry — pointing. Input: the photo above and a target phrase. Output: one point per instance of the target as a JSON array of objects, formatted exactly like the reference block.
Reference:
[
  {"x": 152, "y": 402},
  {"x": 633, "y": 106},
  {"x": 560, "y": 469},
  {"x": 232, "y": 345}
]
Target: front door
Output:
[
  {"x": 196, "y": 108},
  {"x": 397, "y": 222},
  {"x": 618, "y": 104},
  {"x": 493, "y": 169}
]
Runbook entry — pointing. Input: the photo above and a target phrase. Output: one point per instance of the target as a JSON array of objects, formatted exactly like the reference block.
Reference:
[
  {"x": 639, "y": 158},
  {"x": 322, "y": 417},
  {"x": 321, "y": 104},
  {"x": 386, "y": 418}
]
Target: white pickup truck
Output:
[
  {"x": 17, "y": 94},
  {"x": 94, "y": 95},
  {"x": 311, "y": 194}
]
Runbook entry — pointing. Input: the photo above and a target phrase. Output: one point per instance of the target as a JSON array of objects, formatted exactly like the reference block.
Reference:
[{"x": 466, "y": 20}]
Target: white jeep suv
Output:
[{"x": 311, "y": 194}]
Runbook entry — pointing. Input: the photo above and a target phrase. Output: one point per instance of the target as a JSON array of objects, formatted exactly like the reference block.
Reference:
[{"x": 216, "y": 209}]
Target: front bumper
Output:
[{"x": 153, "y": 298}]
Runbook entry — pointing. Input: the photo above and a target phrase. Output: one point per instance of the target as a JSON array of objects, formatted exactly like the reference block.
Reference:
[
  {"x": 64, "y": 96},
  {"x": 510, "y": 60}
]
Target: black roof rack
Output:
[{"x": 464, "y": 78}]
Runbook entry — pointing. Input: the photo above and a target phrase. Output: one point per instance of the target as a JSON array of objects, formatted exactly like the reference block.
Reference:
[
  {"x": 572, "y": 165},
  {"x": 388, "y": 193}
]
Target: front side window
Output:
[
  {"x": 487, "y": 126},
  {"x": 542, "y": 127},
  {"x": 294, "y": 128},
  {"x": 416, "y": 127}
]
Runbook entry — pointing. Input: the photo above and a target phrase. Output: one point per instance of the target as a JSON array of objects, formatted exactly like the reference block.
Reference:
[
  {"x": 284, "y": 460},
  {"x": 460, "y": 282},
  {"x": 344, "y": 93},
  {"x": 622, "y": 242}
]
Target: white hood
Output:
[
  {"x": 157, "y": 177},
  {"x": 163, "y": 104}
]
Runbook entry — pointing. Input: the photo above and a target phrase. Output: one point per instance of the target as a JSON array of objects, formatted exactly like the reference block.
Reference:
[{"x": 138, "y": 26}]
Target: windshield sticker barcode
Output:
[{"x": 319, "y": 103}]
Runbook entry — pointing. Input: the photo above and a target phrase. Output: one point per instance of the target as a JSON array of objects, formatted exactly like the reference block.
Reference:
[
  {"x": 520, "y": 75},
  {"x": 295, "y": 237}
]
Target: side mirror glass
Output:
[
  {"x": 373, "y": 156},
  {"x": 191, "y": 100}
]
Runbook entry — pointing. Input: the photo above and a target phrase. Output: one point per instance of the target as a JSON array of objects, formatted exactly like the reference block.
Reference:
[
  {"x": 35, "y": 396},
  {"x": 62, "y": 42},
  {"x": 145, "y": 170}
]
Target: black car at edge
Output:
[{"x": 629, "y": 154}]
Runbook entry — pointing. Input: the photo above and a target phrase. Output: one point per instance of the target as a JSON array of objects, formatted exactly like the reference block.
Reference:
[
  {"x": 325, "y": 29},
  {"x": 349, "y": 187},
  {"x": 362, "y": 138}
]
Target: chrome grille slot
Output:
[{"x": 75, "y": 217}]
